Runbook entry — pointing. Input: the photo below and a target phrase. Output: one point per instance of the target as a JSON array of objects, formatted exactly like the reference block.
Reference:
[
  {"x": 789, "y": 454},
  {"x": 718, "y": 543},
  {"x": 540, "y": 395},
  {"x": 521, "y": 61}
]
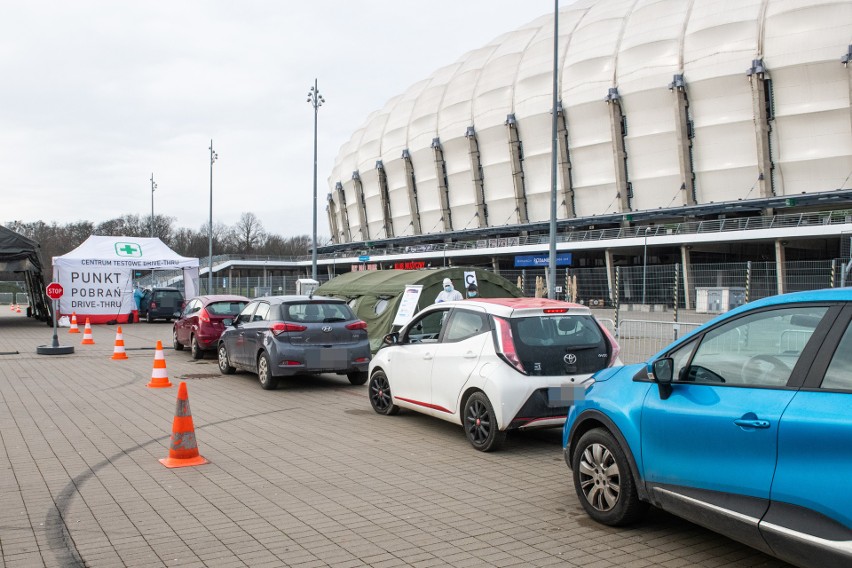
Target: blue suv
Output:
[{"x": 744, "y": 426}]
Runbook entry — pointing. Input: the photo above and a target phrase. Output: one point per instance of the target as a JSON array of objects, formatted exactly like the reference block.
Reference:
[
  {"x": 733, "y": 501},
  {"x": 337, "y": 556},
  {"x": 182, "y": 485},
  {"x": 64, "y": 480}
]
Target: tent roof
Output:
[
  {"x": 134, "y": 252},
  {"x": 17, "y": 252},
  {"x": 392, "y": 282}
]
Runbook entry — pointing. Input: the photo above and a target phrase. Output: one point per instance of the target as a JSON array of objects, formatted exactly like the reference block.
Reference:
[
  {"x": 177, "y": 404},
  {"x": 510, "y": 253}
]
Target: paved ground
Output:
[{"x": 303, "y": 476}]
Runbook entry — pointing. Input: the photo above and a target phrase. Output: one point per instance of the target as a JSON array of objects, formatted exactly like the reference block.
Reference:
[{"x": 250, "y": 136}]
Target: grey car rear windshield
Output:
[
  {"x": 317, "y": 312},
  {"x": 560, "y": 344}
]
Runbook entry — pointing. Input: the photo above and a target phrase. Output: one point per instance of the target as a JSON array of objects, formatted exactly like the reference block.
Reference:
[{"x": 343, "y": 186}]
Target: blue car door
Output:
[
  {"x": 718, "y": 429},
  {"x": 810, "y": 517}
]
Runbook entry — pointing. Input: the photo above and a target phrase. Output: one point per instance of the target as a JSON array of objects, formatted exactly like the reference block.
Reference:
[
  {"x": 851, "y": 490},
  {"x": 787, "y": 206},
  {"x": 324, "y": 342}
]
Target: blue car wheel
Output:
[{"x": 603, "y": 480}]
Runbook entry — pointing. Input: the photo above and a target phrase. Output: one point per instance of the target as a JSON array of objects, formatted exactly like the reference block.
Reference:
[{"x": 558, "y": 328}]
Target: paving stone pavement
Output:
[{"x": 304, "y": 476}]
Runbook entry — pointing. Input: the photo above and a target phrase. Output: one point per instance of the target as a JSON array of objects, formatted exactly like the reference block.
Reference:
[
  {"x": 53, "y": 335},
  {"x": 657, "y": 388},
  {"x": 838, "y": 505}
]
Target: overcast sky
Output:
[{"x": 96, "y": 96}]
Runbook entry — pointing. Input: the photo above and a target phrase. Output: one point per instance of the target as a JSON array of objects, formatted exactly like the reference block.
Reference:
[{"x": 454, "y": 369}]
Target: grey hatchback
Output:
[{"x": 282, "y": 336}]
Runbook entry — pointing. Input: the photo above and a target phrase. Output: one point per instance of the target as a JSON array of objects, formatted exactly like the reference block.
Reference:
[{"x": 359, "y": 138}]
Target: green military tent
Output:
[{"x": 375, "y": 295}]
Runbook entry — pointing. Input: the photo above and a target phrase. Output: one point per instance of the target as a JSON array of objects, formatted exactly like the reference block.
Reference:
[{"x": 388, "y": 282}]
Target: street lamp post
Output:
[
  {"x": 316, "y": 101},
  {"x": 213, "y": 156},
  {"x": 153, "y": 187},
  {"x": 645, "y": 264},
  {"x": 551, "y": 261}
]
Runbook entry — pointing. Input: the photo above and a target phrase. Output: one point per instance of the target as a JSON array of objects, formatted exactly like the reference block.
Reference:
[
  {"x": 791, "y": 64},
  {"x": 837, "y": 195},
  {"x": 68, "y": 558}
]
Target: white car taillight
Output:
[
  {"x": 615, "y": 348},
  {"x": 504, "y": 344}
]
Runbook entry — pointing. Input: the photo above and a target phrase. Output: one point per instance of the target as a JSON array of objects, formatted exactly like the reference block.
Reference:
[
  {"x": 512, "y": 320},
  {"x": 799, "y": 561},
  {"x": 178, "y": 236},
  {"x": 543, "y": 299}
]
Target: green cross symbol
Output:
[{"x": 128, "y": 249}]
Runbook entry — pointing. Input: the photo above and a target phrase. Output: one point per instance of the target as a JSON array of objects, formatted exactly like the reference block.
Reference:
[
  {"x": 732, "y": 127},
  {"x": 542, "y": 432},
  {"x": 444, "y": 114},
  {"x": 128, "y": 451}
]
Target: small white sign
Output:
[{"x": 408, "y": 304}]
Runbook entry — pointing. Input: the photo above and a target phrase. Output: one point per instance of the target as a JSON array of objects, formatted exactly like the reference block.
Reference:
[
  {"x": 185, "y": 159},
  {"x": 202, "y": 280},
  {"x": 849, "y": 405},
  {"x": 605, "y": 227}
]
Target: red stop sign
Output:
[{"x": 54, "y": 290}]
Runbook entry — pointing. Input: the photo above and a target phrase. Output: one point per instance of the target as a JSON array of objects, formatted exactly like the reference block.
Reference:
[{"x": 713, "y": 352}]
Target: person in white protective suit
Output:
[{"x": 449, "y": 293}]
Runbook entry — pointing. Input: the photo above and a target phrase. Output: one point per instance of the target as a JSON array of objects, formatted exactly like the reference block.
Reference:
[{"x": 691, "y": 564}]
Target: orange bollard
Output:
[
  {"x": 118, "y": 352},
  {"x": 74, "y": 328},
  {"x": 87, "y": 334},
  {"x": 159, "y": 377},
  {"x": 183, "y": 450}
]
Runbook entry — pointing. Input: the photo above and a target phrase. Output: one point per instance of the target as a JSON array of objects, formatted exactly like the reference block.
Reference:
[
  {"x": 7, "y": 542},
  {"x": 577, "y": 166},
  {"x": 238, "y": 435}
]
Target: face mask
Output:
[
  {"x": 448, "y": 288},
  {"x": 472, "y": 294}
]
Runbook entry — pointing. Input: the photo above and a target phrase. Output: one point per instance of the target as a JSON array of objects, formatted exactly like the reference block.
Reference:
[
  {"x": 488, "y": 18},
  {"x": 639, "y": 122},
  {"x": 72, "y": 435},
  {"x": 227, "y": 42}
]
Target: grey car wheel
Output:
[
  {"x": 224, "y": 364},
  {"x": 480, "y": 424},
  {"x": 603, "y": 480},
  {"x": 175, "y": 343},
  {"x": 195, "y": 348},
  {"x": 264, "y": 373}
]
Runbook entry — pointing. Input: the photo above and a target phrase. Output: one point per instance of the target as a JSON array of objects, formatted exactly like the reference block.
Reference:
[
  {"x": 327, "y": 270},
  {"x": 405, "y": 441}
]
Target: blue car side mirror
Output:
[{"x": 663, "y": 372}]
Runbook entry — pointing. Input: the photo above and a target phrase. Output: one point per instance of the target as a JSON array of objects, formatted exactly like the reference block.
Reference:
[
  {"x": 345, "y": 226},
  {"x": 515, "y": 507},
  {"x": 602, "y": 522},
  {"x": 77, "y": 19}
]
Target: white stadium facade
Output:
[{"x": 689, "y": 132}]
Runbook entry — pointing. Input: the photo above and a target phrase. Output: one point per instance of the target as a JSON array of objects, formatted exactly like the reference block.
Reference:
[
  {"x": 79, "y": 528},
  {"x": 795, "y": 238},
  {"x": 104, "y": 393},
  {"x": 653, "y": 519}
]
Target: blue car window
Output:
[
  {"x": 839, "y": 372},
  {"x": 759, "y": 349},
  {"x": 681, "y": 358}
]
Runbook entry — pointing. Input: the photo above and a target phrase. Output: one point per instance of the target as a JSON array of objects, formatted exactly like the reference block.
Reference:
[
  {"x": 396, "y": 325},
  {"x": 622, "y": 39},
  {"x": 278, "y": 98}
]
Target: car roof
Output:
[
  {"x": 221, "y": 298},
  {"x": 298, "y": 298},
  {"x": 507, "y": 307}
]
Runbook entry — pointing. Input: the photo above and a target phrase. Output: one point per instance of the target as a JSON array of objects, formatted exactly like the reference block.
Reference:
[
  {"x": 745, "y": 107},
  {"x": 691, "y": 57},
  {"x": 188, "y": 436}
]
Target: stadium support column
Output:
[
  {"x": 610, "y": 273},
  {"x": 684, "y": 133},
  {"x": 618, "y": 130},
  {"x": 565, "y": 169},
  {"x": 331, "y": 210},
  {"x": 761, "y": 97},
  {"x": 495, "y": 265},
  {"x": 346, "y": 230},
  {"x": 387, "y": 219},
  {"x": 443, "y": 189},
  {"x": 478, "y": 182},
  {"x": 780, "y": 265},
  {"x": 686, "y": 262},
  {"x": 517, "y": 158},
  {"x": 362, "y": 206},
  {"x": 411, "y": 184}
]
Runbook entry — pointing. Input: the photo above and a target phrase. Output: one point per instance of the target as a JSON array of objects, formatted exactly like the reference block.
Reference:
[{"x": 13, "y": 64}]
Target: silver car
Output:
[{"x": 282, "y": 336}]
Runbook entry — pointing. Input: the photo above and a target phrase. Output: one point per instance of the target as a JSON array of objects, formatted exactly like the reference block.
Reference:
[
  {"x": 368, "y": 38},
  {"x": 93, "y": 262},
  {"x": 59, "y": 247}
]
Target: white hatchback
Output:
[{"x": 491, "y": 364}]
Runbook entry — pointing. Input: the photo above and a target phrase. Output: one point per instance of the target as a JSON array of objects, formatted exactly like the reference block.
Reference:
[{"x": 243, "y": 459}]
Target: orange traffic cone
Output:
[
  {"x": 18, "y": 309},
  {"x": 119, "y": 352},
  {"x": 159, "y": 377},
  {"x": 87, "y": 334},
  {"x": 74, "y": 328},
  {"x": 12, "y": 307},
  {"x": 183, "y": 451}
]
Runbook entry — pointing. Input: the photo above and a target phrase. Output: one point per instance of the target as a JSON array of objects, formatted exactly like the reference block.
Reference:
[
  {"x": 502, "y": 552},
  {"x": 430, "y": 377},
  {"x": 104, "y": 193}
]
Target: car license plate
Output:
[
  {"x": 564, "y": 395},
  {"x": 329, "y": 358}
]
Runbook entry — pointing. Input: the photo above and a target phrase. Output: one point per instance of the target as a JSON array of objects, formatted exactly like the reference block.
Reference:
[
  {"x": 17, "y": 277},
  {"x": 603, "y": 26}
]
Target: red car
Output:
[{"x": 202, "y": 322}]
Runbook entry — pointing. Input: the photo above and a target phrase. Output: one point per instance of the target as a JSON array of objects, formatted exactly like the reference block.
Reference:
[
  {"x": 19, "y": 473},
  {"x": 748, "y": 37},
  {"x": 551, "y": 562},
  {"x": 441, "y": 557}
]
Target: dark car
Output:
[
  {"x": 742, "y": 426},
  {"x": 203, "y": 320},
  {"x": 160, "y": 303},
  {"x": 281, "y": 336}
]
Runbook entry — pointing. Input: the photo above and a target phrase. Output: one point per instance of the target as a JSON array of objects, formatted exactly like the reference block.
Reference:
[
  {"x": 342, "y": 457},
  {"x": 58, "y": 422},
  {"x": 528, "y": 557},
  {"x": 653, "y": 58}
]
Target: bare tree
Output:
[{"x": 249, "y": 233}]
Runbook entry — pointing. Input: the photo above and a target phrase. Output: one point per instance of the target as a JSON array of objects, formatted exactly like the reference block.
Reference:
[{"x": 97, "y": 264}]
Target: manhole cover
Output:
[{"x": 198, "y": 376}]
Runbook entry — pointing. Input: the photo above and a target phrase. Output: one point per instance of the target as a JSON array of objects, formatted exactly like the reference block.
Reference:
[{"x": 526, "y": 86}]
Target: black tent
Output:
[{"x": 20, "y": 255}]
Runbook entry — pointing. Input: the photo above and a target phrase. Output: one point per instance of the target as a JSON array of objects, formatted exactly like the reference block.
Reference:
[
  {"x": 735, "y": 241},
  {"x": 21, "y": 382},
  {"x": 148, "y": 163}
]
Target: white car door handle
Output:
[
  {"x": 470, "y": 355},
  {"x": 427, "y": 356}
]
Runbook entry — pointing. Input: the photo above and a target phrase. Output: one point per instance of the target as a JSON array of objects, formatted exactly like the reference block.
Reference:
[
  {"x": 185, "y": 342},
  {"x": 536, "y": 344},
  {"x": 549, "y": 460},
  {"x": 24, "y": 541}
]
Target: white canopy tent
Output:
[{"x": 98, "y": 275}]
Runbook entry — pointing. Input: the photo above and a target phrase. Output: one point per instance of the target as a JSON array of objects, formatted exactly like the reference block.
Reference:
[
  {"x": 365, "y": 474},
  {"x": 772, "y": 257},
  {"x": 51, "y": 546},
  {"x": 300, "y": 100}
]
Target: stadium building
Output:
[{"x": 688, "y": 132}]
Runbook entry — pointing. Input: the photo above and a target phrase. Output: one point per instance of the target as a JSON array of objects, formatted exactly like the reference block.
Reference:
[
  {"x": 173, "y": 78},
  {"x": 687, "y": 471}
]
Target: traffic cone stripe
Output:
[
  {"x": 87, "y": 334},
  {"x": 74, "y": 328},
  {"x": 118, "y": 352},
  {"x": 183, "y": 449},
  {"x": 159, "y": 377}
]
